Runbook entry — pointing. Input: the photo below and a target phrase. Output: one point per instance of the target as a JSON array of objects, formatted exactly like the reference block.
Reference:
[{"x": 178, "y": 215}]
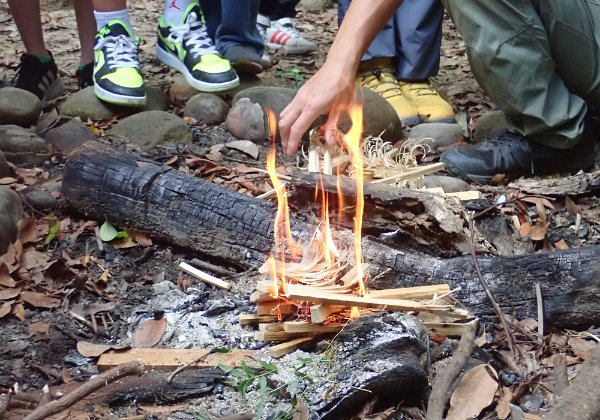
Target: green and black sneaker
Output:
[
  {"x": 117, "y": 75},
  {"x": 189, "y": 49}
]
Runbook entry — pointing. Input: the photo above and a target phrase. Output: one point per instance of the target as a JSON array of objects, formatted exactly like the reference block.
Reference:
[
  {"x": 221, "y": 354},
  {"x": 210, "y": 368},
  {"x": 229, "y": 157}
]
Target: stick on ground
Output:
[
  {"x": 440, "y": 393},
  {"x": 102, "y": 380}
]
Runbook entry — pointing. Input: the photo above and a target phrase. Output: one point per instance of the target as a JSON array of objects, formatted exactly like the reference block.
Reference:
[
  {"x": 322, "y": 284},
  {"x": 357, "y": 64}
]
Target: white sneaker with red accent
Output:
[{"x": 283, "y": 34}]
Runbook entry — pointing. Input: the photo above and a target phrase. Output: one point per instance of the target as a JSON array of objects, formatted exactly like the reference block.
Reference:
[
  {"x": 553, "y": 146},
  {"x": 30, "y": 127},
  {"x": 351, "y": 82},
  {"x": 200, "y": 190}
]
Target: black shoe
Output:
[
  {"x": 39, "y": 78},
  {"x": 85, "y": 75},
  {"x": 511, "y": 154},
  {"x": 243, "y": 59}
]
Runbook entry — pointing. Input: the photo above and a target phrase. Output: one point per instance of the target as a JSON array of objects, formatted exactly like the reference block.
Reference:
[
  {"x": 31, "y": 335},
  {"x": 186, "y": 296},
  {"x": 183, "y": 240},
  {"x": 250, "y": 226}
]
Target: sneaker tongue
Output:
[
  {"x": 192, "y": 8},
  {"x": 116, "y": 28}
]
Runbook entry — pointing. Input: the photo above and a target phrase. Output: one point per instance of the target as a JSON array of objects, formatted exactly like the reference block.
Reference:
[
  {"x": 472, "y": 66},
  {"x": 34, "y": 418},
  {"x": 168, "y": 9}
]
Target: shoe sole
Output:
[
  {"x": 176, "y": 64},
  {"x": 54, "y": 91},
  {"x": 245, "y": 66},
  {"x": 445, "y": 120},
  {"x": 116, "y": 99},
  {"x": 410, "y": 122},
  {"x": 291, "y": 50}
]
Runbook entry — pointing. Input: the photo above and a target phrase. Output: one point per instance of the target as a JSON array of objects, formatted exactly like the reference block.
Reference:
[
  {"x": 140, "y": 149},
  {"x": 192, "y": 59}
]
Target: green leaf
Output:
[
  {"x": 269, "y": 367},
  {"x": 292, "y": 387},
  {"x": 260, "y": 410},
  {"x": 263, "y": 386},
  {"x": 247, "y": 369},
  {"x": 225, "y": 368},
  {"x": 122, "y": 234},
  {"x": 221, "y": 350},
  {"x": 108, "y": 232},
  {"x": 52, "y": 231}
]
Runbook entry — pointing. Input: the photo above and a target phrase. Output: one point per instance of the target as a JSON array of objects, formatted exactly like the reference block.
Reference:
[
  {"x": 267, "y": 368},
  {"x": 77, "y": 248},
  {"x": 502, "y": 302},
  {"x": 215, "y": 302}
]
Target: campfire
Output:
[{"x": 318, "y": 286}]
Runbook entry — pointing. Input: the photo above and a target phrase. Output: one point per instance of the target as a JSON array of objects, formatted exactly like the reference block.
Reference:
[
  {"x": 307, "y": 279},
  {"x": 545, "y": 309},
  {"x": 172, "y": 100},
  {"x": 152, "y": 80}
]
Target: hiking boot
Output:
[
  {"x": 430, "y": 105},
  {"x": 188, "y": 49},
  {"x": 117, "y": 75},
  {"x": 509, "y": 153},
  {"x": 85, "y": 75},
  {"x": 378, "y": 75},
  {"x": 244, "y": 59},
  {"x": 282, "y": 33},
  {"x": 39, "y": 75}
]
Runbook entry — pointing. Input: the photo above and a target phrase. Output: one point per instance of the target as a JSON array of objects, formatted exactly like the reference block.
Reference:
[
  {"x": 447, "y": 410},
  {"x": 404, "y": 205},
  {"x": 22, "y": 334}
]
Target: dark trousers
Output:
[
  {"x": 230, "y": 22},
  {"x": 538, "y": 60},
  {"x": 277, "y": 9},
  {"x": 413, "y": 37}
]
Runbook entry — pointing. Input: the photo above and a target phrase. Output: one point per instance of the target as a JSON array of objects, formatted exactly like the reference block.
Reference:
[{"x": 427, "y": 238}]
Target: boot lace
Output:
[
  {"x": 193, "y": 32},
  {"x": 382, "y": 81},
  {"x": 121, "y": 51}
]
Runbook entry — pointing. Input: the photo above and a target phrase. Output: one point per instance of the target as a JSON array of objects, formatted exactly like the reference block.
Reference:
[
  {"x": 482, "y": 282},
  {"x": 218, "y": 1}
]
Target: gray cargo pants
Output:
[{"x": 538, "y": 60}]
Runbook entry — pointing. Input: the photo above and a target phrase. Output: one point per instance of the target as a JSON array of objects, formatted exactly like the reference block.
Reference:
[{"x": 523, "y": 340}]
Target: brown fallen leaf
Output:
[
  {"x": 39, "y": 331},
  {"x": 561, "y": 245},
  {"x": 581, "y": 347},
  {"x": 134, "y": 238},
  {"x": 538, "y": 231},
  {"x": 18, "y": 310},
  {"x": 245, "y": 146},
  {"x": 9, "y": 293},
  {"x": 66, "y": 375},
  {"x": 91, "y": 350},
  {"x": 40, "y": 300},
  {"x": 6, "y": 308},
  {"x": 150, "y": 333},
  {"x": 474, "y": 393},
  {"x": 5, "y": 278},
  {"x": 32, "y": 259},
  {"x": 503, "y": 406}
]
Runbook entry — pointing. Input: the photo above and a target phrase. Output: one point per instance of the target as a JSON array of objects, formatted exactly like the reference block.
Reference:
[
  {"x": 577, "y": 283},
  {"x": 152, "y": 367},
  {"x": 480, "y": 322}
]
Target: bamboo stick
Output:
[
  {"x": 205, "y": 277},
  {"x": 420, "y": 171},
  {"x": 282, "y": 349}
]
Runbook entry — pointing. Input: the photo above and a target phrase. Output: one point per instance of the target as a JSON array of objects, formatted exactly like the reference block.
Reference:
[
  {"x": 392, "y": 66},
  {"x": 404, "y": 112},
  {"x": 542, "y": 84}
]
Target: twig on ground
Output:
[
  {"x": 440, "y": 393},
  {"x": 540, "y": 312},
  {"x": 211, "y": 267},
  {"x": 509, "y": 337},
  {"x": 102, "y": 380},
  {"x": 188, "y": 364},
  {"x": 205, "y": 277},
  {"x": 88, "y": 324}
]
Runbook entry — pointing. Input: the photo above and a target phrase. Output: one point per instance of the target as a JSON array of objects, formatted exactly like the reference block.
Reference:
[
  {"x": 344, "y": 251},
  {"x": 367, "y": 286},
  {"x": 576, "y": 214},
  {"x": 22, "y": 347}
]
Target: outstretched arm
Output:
[{"x": 334, "y": 82}]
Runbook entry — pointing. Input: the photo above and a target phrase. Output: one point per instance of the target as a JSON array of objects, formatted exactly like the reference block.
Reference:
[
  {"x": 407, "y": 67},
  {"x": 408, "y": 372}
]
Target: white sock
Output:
[
  {"x": 102, "y": 18},
  {"x": 174, "y": 10}
]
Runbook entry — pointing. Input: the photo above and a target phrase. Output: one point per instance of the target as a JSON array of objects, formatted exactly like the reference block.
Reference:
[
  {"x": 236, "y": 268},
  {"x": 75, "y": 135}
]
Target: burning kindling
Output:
[{"x": 318, "y": 286}]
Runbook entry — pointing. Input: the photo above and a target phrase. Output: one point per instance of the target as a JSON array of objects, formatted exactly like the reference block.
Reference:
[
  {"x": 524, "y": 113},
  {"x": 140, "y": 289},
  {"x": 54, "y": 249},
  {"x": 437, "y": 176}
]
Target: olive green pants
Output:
[{"x": 538, "y": 60}]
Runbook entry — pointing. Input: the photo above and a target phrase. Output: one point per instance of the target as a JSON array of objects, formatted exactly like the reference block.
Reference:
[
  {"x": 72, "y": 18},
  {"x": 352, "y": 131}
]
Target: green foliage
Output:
[
  {"x": 292, "y": 73},
  {"x": 52, "y": 230},
  {"x": 109, "y": 233}
]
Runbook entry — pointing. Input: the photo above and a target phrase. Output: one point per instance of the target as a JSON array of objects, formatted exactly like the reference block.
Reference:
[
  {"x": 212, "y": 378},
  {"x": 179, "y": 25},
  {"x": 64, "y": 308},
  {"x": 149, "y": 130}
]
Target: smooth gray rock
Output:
[
  {"x": 206, "y": 108},
  {"x": 384, "y": 354},
  {"x": 21, "y": 146},
  {"x": 11, "y": 212},
  {"x": 246, "y": 121},
  {"x": 180, "y": 91},
  {"x": 85, "y": 104},
  {"x": 19, "y": 107},
  {"x": 40, "y": 199},
  {"x": 268, "y": 97},
  {"x": 436, "y": 135},
  {"x": 4, "y": 168},
  {"x": 150, "y": 128},
  {"x": 448, "y": 183},
  {"x": 316, "y": 5},
  {"x": 488, "y": 123},
  {"x": 64, "y": 134}
]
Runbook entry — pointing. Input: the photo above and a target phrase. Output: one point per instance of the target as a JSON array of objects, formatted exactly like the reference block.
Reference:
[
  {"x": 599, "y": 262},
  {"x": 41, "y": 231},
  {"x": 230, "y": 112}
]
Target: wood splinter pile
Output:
[{"x": 315, "y": 298}]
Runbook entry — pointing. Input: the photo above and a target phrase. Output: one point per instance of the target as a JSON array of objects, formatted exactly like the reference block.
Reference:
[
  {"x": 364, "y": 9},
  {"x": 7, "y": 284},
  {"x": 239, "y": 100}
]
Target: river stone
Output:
[
  {"x": 40, "y": 199},
  {"x": 21, "y": 146},
  {"x": 268, "y": 97},
  {"x": 4, "y": 168},
  {"x": 436, "y": 135},
  {"x": 316, "y": 5},
  {"x": 11, "y": 212},
  {"x": 448, "y": 183},
  {"x": 64, "y": 134},
  {"x": 206, "y": 108},
  {"x": 246, "y": 121},
  {"x": 151, "y": 128},
  {"x": 17, "y": 106},
  {"x": 384, "y": 354},
  {"x": 84, "y": 104},
  {"x": 488, "y": 123}
]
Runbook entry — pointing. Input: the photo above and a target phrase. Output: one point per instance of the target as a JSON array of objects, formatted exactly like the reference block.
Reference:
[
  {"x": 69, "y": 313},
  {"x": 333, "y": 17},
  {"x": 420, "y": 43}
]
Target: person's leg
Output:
[
  {"x": 236, "y": 35},
  {"x": 281, "y": 32},
  {"x": 37, "y": 73},
  {"x": 277, "y": 9},
  {"x": 184, "y": 44},
  {"x": 86, "y": 28},
  {"x": 117, "y": 71},
  {"x": 537, "y": 66}
]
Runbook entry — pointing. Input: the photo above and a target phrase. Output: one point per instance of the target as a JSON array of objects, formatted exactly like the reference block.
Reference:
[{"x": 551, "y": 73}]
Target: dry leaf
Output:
[
  {"x": 66, "y": 375},
  {"x": 245, "y": 146},
  {"x": 150, "y": 333},
  {"x": 18, "y": 310},
  {"x": 561, "y": 245},
  {"x": 503, "y": 406},
  {"x": 39, "y": 331},
  {"x": 40, "y": 300},
  {"x": 474, "y": 393},
  {"x": 32, "y": 259},
  {"x": 8, "y": 180},
  {"x": 89, "y": 224},
  {"x": 5, "y": 278},
  {"x": 6, "y": 308},
  {"x": 134, "y": 238},
  {"x": 6, "y": 294},
  {"x": 525, "y": 229},
  {"x": 570, "y": 206},
  {"x": 90, "y": 349},
  {"x": 538, "y": 231},
  {"x": 581, "y": 347}
]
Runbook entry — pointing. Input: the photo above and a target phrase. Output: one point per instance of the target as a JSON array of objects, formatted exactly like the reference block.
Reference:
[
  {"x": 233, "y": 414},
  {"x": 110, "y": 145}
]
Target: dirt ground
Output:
[{"x": 41, "y": 348}]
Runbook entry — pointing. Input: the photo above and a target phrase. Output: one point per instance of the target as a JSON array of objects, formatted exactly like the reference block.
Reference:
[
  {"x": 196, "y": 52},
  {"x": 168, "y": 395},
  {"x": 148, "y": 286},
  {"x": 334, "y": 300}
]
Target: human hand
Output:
[{"x": 329, "y": 91}]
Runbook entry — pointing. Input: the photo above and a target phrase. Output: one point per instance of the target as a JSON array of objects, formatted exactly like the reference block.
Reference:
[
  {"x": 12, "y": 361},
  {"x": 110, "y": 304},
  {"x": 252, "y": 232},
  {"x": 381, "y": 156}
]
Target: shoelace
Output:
[
  {"x": 419, "y": 89},
  {"x": 193, "y": 31},
  {"x": 381, "y": 76},
  {"x": 121, "y": 51}
]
